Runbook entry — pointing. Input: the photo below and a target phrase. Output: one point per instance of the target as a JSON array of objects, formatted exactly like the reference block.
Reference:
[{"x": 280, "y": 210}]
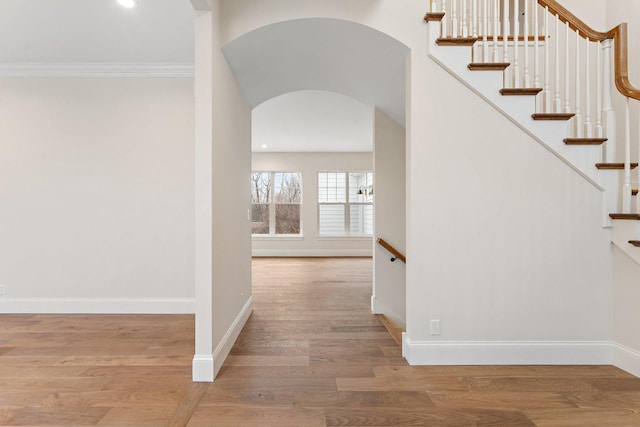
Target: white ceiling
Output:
[
  {"x": 321, "y": 54},
  {"x": 312, "y": 121},
  {"x": 96, "y": 31},
  {"x": 303, "y": 58}
]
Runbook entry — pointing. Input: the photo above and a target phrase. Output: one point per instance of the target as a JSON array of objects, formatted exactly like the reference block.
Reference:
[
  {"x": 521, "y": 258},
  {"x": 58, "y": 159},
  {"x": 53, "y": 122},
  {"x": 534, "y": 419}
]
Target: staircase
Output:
[{"x": 535, "y": 79}]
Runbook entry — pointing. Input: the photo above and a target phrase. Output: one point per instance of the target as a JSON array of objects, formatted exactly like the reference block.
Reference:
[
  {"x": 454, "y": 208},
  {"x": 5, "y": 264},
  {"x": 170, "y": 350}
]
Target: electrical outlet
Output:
[
  {"x": 435, "y": 327},
  {"x": 3, "y": 289}
]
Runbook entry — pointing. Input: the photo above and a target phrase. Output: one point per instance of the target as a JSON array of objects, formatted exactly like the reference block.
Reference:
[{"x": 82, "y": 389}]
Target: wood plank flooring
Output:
[{"x": 311, "y": 354}]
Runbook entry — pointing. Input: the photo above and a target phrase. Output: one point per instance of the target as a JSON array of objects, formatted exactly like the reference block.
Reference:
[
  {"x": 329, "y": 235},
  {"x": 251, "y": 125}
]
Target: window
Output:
[
  {"x": 275, "y": 203},
  {"x": 345, "y": 203}
]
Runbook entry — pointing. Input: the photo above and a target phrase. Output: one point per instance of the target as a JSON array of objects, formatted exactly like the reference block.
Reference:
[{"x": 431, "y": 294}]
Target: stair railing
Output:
[{"x": 570, "y": 65}]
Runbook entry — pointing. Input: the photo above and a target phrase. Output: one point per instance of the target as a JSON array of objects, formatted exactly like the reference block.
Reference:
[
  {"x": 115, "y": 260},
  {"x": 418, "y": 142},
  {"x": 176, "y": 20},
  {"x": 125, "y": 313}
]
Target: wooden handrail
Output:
[
  {"x": 396, "y": 254},
  {"x": 617, "y": 34}
]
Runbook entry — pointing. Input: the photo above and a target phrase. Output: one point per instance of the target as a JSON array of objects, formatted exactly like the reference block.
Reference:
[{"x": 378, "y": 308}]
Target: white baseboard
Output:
[
  {"x": 626, "y": 359},
  {"x": 97, "y": 305},
  {"x": 224, "y": 347},
  {"x": 312, "y": 252},
  {"x": 506, "y": 353},
  {"x": 202, "y": 368}
]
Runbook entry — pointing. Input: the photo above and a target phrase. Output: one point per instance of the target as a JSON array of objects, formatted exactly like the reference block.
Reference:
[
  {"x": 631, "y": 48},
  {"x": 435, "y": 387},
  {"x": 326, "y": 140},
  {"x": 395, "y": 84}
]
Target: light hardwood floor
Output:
[{"x": 310, "y": 355}]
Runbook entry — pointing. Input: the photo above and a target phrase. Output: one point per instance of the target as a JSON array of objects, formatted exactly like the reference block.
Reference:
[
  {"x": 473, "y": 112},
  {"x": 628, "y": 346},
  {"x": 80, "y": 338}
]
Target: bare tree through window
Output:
[{"x": 276, "y": 199}]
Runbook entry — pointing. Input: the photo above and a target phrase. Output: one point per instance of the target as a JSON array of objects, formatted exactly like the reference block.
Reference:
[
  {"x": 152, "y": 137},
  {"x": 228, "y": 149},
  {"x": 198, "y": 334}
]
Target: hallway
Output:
[{"x": 310, "y": 355}]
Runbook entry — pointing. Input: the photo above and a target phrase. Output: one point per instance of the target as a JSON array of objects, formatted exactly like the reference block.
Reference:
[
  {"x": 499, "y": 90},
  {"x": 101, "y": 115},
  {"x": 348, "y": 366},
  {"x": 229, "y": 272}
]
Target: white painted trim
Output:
[
  {"x": 98, "y": 305},
  {"x": 506, "y": 352},
  {"x": 365, "y": 252},
  {"x": 97, "y": 70},
  {"x": 202, "y": 368},
  {"x": 224, "y": 347},
  {"x": 626, "y": 359}
]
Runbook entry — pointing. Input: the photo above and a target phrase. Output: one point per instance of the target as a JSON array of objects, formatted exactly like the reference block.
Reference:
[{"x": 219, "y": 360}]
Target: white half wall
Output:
[
  {"x": 310, "y": 244},
  {"x": 97, "y": 195},
  {"x": 389, "y": 278}
]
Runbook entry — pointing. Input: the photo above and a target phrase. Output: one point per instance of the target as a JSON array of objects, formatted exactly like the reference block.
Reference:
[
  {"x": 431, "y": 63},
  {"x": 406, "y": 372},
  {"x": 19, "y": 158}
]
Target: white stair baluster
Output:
[
  {"x": 496, "y": 30},
  {"x": 599, "y": 130},
  {"x": 567, "y": 105},
  {"x": 557, "y": 103},
  {"x": 608, "y": 115},
  {"x": 433, "y": 7},
  {"x": 588, "y": 129},
  {"x": 516, "y": 43},
  {"x": 505, "y": 39},
  {"x": 536, "y": 45},
  {"x": 464, "y": 16},
  {"x": 626, "y": 189},
  {"x": 527, "y": 78},
  {"x": 546, "y": 92},
  {"x": 577, "y": 119},
  {"x": 444, "y": 29},
  {"x": 454, "y": 19},
  {"x": 485, "y": 28},
  {"x": 474, "y": 18}
]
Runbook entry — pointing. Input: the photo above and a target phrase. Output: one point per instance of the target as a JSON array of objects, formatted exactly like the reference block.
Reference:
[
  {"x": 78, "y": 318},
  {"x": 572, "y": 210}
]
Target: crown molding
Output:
[{"x": 97, "y": 70}]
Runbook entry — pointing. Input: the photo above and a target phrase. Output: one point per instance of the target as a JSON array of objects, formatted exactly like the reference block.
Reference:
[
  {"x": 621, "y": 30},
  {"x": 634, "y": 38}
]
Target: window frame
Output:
[
  {"x": 346, "y": 204},
  {"x": 272, "y": 203}
]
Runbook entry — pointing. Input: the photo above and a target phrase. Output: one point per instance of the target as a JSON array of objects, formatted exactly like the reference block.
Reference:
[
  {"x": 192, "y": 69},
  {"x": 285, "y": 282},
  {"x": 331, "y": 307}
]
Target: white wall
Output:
[
  {"x": 510, "y": 242},
  {"x": 223, "y": 161},
  {"x": 626, "y": 316},
  {"x": 505, "y": 242},
  {"x": 96, "y": 194},
  {"x": 311, "y": 244},
  {"x": 389, "y": 281}
]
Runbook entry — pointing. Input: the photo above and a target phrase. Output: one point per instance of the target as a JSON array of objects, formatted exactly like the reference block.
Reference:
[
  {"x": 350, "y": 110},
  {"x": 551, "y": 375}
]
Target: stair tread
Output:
[
  {"x": 634, "y": 192},
  {"x": 552, "y": 116},
  {"x": 625, "y": 216},
  {"x": 584, "y": 141},
  {"x": 635, "y": 243},
  {"x": 434, "y": 16},
  {"x": 488, "y": 66},
  {"x": 456, "y": 41},
  {"x": 520, "y": 91},
  {"x": 614, "y": 166}
]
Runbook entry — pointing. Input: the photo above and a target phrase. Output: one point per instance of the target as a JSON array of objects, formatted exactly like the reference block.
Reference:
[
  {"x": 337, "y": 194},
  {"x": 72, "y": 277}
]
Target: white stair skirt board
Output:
[
  {"x": 206, "y": 367},
  {"x": 626, "y": 359},
  {"x": 97, "y": 305},
  {"x": 506, "y": 353},
  {"x": 380, "y": 308},
  {"x": 622, "y": 232}
]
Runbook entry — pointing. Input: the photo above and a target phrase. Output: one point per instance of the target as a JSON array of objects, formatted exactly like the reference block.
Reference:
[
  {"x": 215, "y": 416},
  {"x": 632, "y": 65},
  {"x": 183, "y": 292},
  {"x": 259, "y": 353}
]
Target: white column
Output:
[{"x": 202, "y": 368}]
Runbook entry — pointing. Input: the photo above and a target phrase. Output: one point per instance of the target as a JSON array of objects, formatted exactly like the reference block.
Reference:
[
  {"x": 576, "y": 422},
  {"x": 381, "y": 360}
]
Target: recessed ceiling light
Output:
[
  {"x": 264, "y": 146},
  {"x": 127, "y": 3}
]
